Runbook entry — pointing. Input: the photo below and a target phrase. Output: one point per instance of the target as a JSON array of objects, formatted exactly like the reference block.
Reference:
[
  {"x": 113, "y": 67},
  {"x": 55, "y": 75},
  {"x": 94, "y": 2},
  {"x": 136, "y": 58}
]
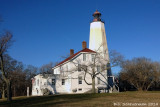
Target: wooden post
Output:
[{"x": 27, "y": 91}]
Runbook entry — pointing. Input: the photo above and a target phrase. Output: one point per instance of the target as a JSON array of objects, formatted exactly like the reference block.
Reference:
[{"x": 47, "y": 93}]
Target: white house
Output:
[{"x": 75, "y": 74}]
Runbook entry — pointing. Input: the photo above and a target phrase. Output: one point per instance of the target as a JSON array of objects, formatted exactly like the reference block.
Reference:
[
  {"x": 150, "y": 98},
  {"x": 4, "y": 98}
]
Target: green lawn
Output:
[{"x": 88, "y": 100}]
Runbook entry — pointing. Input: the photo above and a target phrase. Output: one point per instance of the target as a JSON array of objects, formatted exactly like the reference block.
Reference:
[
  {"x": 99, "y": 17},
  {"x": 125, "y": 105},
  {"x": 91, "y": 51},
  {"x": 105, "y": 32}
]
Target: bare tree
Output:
[
  {"x": 140, "y": 73},
  {"x": 5, "y": 43},
  {"x": 19, "y": 74},
  {"x": 47, "y": 68},
  {"x": 98, "y": 65},
  {"x": 101, "y": 66},
  {"x": 2, "y": 87},
  {"x": 30, "y": 72}
]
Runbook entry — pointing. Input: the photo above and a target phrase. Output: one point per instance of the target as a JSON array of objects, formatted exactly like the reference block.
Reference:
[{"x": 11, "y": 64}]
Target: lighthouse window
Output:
[{"x": 84, "y": 57}]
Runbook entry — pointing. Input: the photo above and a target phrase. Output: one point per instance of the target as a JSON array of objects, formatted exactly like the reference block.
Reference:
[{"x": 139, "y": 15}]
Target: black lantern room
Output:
[{"x": 97, "y": 16}]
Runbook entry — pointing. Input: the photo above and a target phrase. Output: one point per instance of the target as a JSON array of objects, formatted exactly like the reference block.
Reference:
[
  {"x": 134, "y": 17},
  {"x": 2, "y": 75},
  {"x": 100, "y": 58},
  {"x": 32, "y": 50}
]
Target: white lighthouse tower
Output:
[{"x": 97, "y": 40}]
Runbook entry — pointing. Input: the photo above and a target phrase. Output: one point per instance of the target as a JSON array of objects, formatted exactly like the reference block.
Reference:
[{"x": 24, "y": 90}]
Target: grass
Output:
[{"x": 86, "y": 100}]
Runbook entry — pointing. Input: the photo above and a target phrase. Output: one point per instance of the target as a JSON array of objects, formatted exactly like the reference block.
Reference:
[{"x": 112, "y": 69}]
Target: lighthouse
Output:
[{"x": 97, "y": 38}]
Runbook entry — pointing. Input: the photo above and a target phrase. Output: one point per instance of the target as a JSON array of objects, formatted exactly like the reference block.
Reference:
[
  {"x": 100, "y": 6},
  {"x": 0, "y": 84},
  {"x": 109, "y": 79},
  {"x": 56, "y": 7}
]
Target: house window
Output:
[
  {"x": 79, "y": 80},
  {"x": 98, "y": 80},
  {"x": 45, "y": 83},
  {"x": 79, "y": 67},
  {"x": 92, "y": 57},
  {"x": 61, "y": 70},
  {"x": 63, "y": 81},
  {"x": 53, "y": 81},
  {"x": 38, "y": 82},
  {"x": 84, "y": 57},
  {"x": 35, "y": 82},
  {"x": 67, "y": 67},
  {"x": 98, "y": 68},
  {"x": 80, "y": 89}
]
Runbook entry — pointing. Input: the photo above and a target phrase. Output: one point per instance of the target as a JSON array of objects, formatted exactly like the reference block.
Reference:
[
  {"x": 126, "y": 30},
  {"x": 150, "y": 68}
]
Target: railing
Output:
[
  {"x": 116, "y": 86},
  {"x": 101, "y": 21},
  {"x": 44, "y": 86}
]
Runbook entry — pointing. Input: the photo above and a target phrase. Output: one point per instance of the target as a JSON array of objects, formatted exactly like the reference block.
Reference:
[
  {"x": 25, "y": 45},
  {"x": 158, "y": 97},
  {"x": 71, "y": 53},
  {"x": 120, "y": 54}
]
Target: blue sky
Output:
[{"x": 45, "y": 30}]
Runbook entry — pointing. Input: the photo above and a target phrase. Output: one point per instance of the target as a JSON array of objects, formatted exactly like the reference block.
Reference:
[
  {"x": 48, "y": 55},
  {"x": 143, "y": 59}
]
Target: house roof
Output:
[{"x": 83, "y": 50}]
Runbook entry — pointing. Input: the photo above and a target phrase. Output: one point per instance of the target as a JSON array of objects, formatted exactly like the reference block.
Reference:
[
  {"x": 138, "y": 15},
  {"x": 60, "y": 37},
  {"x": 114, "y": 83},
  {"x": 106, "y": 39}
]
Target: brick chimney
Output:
[
  {"x": 84, "y": 45},
  {"x": 71, "y": 52}
]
